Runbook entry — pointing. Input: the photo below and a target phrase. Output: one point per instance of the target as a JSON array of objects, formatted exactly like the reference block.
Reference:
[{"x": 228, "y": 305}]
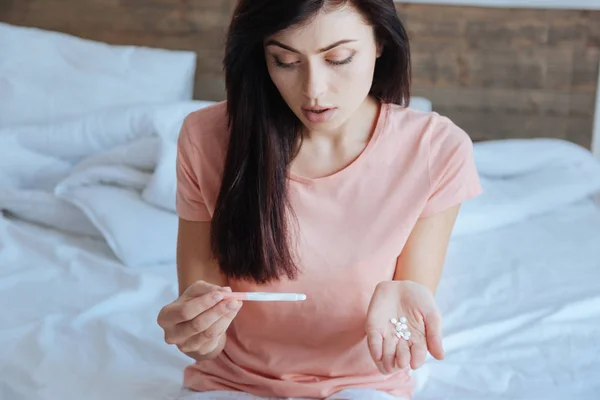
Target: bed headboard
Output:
[{"x": 497, "y": 72}]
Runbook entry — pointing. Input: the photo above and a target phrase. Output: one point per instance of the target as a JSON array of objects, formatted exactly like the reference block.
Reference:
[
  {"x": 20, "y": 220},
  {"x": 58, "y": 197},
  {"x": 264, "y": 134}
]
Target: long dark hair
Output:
[{"x": 250, "y": 234}]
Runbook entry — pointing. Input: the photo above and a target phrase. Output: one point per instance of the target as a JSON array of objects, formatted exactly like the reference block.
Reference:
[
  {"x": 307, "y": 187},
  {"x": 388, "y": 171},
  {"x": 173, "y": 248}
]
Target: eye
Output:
[
  {"x": 281, "y": 64},
  {"x": 342, "y": 62}
]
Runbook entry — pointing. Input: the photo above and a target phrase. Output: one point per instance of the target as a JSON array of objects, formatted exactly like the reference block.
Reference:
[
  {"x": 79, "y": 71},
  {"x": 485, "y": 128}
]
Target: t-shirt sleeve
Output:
[
  {"x": 189, "y": 201},
  {"x": 453, "y": 175}
]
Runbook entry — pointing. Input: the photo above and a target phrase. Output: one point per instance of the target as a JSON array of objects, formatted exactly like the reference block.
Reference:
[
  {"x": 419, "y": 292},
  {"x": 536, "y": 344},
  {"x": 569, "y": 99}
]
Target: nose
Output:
[{"x": 315, "y": 81}]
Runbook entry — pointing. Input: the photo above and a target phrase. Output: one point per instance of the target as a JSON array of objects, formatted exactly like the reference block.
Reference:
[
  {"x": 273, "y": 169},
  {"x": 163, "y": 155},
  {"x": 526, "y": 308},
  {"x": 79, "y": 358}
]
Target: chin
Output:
[{"x": 329, "y": 126}]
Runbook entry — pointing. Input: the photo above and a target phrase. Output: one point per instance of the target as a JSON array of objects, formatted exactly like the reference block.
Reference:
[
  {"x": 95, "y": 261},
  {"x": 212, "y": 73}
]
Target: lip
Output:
[{"x": 323, "y": 116}]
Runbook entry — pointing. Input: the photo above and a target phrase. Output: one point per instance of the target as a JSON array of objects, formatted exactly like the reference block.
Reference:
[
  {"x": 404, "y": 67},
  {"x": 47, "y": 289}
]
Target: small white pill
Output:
[
  {"x": 403, "y": 326},
  {"x": 394, "y": 321},
  {"x": 403, "y": 320},
  {"x": 407, "y": 334}
]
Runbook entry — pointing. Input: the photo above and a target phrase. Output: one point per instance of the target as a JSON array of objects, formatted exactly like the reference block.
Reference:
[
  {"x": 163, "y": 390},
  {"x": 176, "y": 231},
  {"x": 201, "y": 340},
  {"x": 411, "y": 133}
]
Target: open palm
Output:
[{"x": 392, "y": 350}]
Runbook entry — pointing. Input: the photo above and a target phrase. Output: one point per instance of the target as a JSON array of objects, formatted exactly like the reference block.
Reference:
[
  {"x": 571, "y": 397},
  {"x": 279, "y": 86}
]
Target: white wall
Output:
[{"x": 567, "y": 4}]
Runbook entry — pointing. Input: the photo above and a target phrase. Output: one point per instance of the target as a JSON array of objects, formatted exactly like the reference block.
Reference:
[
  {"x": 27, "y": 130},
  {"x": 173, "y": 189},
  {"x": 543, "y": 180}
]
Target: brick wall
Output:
[{"x": 497, "y": 72}]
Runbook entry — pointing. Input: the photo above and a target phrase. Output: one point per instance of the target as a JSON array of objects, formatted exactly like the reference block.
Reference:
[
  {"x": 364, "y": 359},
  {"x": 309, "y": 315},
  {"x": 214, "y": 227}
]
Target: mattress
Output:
[{"x": 521, "y": 308}]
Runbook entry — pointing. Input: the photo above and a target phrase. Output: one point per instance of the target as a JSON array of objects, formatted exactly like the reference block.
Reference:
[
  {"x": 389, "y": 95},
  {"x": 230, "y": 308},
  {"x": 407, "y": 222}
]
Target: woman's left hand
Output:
[{"x": 397, "y": 299}]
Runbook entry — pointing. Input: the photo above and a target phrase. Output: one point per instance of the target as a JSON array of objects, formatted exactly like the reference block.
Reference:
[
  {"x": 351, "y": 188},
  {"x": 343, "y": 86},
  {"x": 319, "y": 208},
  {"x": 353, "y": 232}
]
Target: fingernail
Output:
[
  {"x": 234, "y": 305},
  {"x": 217, "y": 297}
]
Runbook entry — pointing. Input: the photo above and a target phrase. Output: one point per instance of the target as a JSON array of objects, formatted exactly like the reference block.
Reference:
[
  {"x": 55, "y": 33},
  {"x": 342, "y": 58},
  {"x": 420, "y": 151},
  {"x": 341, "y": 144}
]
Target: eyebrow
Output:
[{"x": 324, "y": 49}]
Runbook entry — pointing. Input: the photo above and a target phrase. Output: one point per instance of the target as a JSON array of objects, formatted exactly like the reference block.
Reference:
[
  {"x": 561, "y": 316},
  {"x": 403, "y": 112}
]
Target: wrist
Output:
[{"x": 431, "y": 288}]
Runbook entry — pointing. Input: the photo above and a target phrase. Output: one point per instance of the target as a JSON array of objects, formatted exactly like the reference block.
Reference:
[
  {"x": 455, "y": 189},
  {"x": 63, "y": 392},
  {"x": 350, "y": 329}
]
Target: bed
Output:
[{"x": 82, "y": 280}]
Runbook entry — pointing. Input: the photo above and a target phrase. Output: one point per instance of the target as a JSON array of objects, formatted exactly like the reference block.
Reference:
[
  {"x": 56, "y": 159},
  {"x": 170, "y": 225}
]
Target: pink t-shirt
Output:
[{"x": 352, "y": 225}]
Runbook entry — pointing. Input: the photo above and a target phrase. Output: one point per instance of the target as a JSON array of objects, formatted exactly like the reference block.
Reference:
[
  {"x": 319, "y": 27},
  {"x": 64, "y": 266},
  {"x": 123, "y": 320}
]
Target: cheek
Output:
[
  {"x": 358, "y": 77},
  {"x": 284, "y": 81}
]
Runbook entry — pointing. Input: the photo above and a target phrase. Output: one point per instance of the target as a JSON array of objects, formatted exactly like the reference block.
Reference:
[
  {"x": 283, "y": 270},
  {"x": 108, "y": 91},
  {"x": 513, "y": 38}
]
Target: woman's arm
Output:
[
  {"x": 423, "y": 256},
  {"x": 411, "y": 295},
  {"x": 195, "y": 260}
]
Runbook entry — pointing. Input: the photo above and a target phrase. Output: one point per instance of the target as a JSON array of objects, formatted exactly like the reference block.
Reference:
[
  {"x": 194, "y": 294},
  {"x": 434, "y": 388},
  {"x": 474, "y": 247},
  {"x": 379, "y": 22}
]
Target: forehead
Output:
[{"x": 326, "y": 27}]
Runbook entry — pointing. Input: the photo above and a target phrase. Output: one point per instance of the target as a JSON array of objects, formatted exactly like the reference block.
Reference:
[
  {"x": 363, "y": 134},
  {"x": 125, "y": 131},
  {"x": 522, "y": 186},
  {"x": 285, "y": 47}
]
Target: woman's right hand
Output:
[{"x": 197, "y": 321}]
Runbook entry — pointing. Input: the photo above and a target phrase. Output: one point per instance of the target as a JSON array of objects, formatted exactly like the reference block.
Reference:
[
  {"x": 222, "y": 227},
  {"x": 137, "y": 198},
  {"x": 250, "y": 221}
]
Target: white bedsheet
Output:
[{"x": 521, "y": 307}]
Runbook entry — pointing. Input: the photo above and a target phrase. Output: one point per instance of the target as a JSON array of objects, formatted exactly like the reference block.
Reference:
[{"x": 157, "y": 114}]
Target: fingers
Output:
[
  {"x": 377, "y": 315},
  {"x": 206, "y": 341},
  {"x": 402, "y": 354},
  {"x": 418, "y": 353},
  {"x": 220, "y": 326},
  {"x": 203, "y": 322},
  {"x": 181, "y": 311},
  {"x": 389, "y": 353},
  {"x": 375, "y": 342},
  {"x": 198, "y": 288},
  {"x": 433, "y": 332}
]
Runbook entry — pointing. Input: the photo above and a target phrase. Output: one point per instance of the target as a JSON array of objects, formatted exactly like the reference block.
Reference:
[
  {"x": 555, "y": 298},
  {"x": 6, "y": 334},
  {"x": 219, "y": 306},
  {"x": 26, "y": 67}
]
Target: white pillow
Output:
[
  {"x": 420, "y": 103},
  {"x": 48, "y": 76},
  {"x": 162, "y": 187},
  {"x": 160, "y": 191},
  {"x": 46, "y": 209},
  {"x": 523, "y": 178},
  {"x": 138, "y": 233}
]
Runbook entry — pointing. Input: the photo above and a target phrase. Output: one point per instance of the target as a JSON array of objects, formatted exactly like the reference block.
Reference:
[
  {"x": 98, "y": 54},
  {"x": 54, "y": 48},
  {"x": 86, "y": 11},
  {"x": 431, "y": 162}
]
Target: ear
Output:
[{"x": 379, "y": 49}]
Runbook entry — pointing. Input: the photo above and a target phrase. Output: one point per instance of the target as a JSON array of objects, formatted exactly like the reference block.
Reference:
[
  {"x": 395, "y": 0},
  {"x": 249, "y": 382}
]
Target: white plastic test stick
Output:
[{"x": 264, "y": 296}]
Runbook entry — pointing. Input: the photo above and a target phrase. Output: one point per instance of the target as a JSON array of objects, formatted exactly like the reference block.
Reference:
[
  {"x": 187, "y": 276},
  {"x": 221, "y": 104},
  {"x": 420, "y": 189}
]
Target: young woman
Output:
[{"x": 314, "y": 177}]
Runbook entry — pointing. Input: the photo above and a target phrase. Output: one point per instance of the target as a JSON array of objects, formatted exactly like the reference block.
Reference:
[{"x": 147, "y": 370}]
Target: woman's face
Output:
[{"x": 324, "y": 69}]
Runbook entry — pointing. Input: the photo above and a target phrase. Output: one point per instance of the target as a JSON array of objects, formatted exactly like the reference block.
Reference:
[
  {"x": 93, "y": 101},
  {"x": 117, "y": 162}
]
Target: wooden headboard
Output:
[{"x": 497, "y": 72}]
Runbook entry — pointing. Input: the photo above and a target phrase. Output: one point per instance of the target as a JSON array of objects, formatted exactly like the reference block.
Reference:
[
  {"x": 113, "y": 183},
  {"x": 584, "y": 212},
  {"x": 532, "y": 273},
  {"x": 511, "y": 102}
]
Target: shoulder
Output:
[
  {"x": 212, "y": 115},
  {"x": 425, "y": 124},
  {"x": 427, "y": 129},
  {"x": 206, "y": 127},
  {"x": 203, "y": 142}
]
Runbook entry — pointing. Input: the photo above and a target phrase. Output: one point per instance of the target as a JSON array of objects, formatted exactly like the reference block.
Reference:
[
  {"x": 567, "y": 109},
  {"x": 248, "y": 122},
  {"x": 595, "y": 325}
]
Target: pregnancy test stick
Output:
[{"x": 263, "y": 296}]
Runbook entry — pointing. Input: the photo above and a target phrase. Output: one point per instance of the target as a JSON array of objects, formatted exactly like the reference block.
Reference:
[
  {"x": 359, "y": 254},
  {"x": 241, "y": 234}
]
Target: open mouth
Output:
[{"x": 319, "y": 114}]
